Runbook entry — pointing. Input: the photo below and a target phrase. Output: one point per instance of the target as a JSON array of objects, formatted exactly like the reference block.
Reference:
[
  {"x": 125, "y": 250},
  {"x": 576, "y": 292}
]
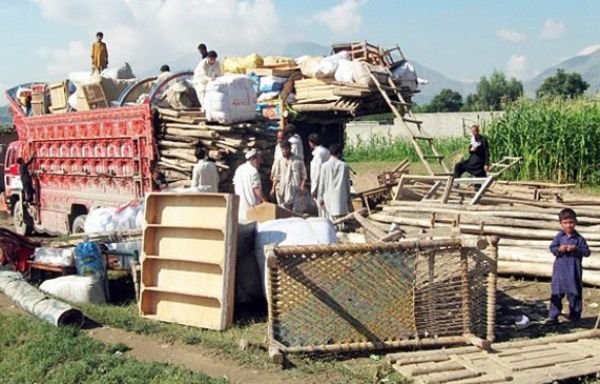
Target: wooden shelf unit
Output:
[{"x": 188, "y": 259}]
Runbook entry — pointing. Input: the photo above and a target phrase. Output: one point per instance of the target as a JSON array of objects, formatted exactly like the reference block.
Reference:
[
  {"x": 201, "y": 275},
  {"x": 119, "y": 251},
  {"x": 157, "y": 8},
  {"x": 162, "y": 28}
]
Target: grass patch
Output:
[
  {"x": 253, "y": 329},
  {"x": 35, "y": 352}
]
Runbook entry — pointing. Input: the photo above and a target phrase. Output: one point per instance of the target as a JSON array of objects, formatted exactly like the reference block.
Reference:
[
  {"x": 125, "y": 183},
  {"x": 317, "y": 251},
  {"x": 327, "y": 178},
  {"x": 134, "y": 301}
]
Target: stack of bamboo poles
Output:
[
  {"x": 182, "y": 131},
  {"x": 525, "y": 231}
]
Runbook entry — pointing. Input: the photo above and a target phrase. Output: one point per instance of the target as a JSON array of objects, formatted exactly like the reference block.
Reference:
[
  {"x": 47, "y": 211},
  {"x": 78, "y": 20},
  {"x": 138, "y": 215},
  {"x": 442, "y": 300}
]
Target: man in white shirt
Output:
[
  {"x": 207, "y": 69},
  {"x": 320, "y": 155},
  {"x": 165, "y": 72},
  {"x": 277, "y": 154},
  {"x": 247, "y": 184},
  {"x": 205, "y": 177},
  {"x": 295, "y": 141},
  {"x": 333, "y": 193},
  {"x": 289, "y": 178}
]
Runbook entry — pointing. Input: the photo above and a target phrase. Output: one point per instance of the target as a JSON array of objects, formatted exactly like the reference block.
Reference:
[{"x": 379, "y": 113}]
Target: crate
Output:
[
  {"x": 59, "y": 95},
  {"x": 94, "y": 96},
  {"x": 188, "y": 259}
]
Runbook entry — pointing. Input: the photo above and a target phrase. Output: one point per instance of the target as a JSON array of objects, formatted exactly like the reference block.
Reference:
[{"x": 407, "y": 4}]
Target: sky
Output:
[{"x": 44, "y": 40}]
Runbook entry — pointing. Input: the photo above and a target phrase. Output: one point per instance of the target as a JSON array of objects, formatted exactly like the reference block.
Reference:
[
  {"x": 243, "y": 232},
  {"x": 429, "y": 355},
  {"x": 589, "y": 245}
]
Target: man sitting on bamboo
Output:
[
  {"x": 289, "y": 179},
  {"x": 478, "y": 163}
]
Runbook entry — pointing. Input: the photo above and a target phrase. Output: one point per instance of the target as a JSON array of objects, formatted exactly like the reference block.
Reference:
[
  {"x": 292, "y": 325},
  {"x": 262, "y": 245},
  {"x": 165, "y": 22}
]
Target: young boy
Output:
[{"x": 569, "y": 247}]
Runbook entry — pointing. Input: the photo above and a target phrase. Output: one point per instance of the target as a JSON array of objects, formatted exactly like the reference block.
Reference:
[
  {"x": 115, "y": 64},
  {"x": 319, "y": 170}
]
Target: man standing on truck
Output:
[
  {"x": 247, "y": 184},
  {"x": 26, "y": 178},
  {"x": 207, "y": 69},
  {"x": 202, "y": 50},
  {"x": 99, "y": 54},
  {"x": 205, "y": 176}
]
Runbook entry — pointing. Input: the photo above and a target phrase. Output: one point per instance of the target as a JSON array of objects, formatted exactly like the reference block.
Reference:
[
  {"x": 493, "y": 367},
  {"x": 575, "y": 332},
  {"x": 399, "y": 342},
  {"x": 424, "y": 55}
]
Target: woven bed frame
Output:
[{"x": 362, "y": 297}]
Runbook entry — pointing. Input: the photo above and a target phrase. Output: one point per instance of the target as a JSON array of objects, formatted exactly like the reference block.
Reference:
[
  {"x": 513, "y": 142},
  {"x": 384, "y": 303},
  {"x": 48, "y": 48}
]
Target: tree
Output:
[
  {"x": 563, "y": 85},
  {"x": 494, "y": 93},
  {"x": 446, "y": 101},
  {"x": 472, "y": 103}
]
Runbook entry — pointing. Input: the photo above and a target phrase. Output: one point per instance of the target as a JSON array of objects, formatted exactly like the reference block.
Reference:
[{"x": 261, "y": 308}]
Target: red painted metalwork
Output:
[
  {"x": 92, "y": 158},
  {"x": 16, "y": 250}
]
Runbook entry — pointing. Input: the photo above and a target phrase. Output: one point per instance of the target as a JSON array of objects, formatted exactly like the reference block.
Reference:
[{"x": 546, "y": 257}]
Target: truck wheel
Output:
[
  {"x": 78, "y": 224},
  {"x": 22, "y": 220}
]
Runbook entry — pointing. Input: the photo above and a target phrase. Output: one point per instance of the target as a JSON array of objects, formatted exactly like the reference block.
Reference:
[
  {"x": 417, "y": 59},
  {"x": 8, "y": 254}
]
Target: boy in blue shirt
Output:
[{"x": 569, "y": 247}]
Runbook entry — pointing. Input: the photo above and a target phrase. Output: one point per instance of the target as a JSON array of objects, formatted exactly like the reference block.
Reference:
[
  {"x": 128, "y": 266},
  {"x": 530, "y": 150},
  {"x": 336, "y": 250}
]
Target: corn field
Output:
[
  {"x": 388, "y": 148},
  {"x": 559, "y": 140}
]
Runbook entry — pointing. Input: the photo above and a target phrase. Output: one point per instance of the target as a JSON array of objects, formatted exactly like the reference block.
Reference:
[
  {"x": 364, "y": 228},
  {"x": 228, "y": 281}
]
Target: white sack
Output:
[
  {"x": 99, "y": 220},
  {"x": 76, "y": 289},
  {"x": 345, "y": 71},
  {"x": 328, "y": 65},
  {"x": 407, "y": 75},
  {"x": 230, "y": 99},
  {"x": 292, "y": 231}
]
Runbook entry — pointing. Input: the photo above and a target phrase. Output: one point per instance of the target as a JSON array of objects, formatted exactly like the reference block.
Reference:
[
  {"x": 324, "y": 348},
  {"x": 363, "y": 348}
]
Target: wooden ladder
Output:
[{"x": 411, "y": 124}]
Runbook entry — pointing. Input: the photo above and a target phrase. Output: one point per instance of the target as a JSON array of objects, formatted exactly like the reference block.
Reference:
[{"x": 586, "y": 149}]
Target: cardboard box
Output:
[{"x": 267, "y": 211}]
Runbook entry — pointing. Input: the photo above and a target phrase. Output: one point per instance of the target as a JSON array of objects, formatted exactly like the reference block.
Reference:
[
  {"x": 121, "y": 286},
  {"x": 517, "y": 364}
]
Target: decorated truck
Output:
[{"x": 110, "y": 155}]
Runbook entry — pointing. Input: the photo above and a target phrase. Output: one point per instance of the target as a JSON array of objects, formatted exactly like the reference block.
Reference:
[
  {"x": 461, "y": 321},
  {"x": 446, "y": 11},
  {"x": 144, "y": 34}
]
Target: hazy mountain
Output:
[
  {"x": 437, "y": 82},
  {"x": 588, "y": 66},
  {"x": 310, "y": 49}
]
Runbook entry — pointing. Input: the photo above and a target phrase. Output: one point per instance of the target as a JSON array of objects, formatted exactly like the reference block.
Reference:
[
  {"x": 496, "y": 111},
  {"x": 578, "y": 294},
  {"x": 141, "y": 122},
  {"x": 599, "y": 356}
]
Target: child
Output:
[{"x": 569, "y": 247}]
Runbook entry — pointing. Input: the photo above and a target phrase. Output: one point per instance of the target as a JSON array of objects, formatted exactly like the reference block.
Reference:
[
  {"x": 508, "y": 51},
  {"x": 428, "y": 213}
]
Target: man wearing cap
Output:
[
  {"x": 289, "y": 178},
  {"x": 247, "y": 184},
  {"x": 295, "y": 141},
  {"x": 333, "y": 193}
]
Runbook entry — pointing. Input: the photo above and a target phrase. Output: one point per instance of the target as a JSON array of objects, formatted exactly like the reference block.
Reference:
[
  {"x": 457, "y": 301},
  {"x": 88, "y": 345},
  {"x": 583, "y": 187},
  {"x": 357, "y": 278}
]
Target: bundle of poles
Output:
[
  {"x": 526, "y": 229},
  {"x": 182, "y": 131}
]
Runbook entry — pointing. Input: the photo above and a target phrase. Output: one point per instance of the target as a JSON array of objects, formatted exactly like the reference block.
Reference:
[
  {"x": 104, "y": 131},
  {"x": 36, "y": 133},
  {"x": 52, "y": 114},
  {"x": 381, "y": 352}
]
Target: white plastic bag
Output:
[
  {"x": 99, "y": 220},
  {"x": 122, "y": 72},
  {"x": 230, "y": 99},
  {"x": 56, "y": 256},
  {"x": 271, "y": 83},
  {"x": 407, "y": 75}
]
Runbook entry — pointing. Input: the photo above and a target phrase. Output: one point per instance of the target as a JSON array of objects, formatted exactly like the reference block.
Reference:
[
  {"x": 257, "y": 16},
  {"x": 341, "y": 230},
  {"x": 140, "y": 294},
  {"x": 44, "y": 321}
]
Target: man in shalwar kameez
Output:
[
  {"x": 289, "y": 178},
  {"x": 333, "y": 193},
  {"x": 247, "y": 184}
]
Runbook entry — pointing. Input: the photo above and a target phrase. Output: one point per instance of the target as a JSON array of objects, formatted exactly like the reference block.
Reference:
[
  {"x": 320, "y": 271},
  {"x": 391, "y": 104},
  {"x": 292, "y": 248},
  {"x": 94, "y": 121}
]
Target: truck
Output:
[{"x": 81, "y": 160}]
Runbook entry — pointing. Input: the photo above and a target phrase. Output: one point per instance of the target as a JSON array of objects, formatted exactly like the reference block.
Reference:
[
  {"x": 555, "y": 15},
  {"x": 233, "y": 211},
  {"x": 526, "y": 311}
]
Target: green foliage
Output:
[
  {"x": 565, "y": 85},
  {"x": 36, "y": 352},
  {"x": 494, "y": 94},
  {"x": 445, "y": 101},
  {"x": 388, "y": 148},
  {"x": 558, "y": 139},
  {"x": 6, "y": 128}
]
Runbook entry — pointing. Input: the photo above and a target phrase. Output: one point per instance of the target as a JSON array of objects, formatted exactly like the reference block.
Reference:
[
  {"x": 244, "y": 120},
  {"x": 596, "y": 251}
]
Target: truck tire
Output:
[
  {"x": 78, "y": 224},
  {"x": 22, "y": 220}
]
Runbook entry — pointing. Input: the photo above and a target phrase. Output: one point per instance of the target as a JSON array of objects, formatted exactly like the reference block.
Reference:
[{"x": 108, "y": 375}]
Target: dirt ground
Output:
[{"x": 515, "y": 298}]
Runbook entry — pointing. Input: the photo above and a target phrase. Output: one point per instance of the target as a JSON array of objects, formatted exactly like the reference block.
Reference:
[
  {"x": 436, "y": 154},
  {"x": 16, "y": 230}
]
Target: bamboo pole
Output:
[
  {"x": 541, "y": 270},
  {"x": 542, "y": 256}
]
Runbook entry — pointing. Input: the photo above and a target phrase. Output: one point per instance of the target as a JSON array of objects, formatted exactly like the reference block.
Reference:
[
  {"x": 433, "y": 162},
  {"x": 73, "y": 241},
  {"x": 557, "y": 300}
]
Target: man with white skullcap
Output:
[{"x": 247, "y": 183}]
